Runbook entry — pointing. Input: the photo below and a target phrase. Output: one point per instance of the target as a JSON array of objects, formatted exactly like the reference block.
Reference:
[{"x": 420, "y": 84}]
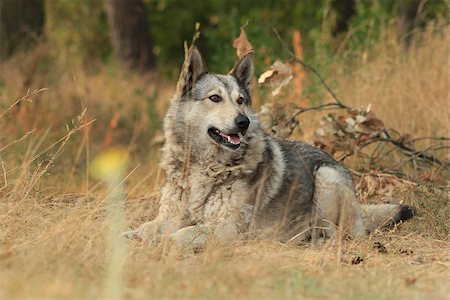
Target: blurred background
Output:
[{"x": 149, "y": 34}]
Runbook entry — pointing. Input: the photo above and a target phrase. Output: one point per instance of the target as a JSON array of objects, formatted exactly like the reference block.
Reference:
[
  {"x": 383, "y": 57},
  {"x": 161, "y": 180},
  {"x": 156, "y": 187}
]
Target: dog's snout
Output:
[{"x": 242, "y": 122}]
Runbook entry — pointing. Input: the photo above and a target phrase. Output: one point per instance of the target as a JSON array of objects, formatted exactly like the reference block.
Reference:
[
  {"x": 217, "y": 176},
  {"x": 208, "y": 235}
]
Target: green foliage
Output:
[
  {"x": 79, "y": 34},
  {"x": 172, "y": 23},
  {"x": 368, "y": 23},
  {"x": 77, "y": 31}
]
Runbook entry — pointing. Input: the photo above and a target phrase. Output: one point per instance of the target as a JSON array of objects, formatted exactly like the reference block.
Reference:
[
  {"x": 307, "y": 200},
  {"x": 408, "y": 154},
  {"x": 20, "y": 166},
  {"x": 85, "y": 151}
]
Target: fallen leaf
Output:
[
  {"x": 277, "y": 73},
  {"x": 278, "y": 76},
  {"x": 242, "y": 44},
  {"x": 380, "y": 247},
  {"x": 410, "y": 281},
  {"x": 266, "y": 76}
]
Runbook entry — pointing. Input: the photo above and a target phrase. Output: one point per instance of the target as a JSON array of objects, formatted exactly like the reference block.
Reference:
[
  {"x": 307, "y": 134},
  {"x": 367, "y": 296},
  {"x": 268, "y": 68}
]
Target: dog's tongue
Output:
[
  {"x": 235, "y": 139},
  {"x": 232, "y": 138}
]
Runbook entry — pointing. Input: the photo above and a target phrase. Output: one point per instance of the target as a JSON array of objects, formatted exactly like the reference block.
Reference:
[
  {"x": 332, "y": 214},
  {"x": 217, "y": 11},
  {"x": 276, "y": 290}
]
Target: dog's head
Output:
[{"x": 214, "y": 109}]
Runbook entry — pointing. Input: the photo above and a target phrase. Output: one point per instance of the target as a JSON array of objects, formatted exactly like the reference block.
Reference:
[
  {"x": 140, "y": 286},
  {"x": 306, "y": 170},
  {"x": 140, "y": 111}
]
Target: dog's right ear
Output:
[{"x": 193, "y": 68}]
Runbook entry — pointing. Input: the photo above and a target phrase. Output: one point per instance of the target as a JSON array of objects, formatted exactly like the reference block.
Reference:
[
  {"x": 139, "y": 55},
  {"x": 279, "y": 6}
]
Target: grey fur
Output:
[{"x": 273, "y": 189}]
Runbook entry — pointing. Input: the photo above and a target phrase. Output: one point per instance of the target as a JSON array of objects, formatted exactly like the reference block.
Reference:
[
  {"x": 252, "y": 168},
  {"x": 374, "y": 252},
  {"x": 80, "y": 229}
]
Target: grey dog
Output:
[{"x": 226, "y": 178}]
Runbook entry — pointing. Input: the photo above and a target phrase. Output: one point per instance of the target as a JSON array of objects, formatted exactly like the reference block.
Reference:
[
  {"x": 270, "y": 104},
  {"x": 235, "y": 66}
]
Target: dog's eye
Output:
[
  {"x": 240, "y": 100},
  {"x": 215, "y": 98}
]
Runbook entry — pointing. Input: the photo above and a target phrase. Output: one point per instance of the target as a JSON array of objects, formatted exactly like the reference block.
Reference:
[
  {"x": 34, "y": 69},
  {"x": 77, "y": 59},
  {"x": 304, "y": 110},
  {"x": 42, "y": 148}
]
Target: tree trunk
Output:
[
  {"x": 130, "y": 34},
  {"x": 345, "y": 10},
  {"x": 21, "y": 22}
]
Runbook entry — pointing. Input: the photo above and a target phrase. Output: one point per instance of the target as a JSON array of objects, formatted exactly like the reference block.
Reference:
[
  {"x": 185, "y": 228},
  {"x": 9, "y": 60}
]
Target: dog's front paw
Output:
[
  {"x": 149, "y": 231},
  {"x": 191, "y": 238},
  {"x": 131, "y": 235}
]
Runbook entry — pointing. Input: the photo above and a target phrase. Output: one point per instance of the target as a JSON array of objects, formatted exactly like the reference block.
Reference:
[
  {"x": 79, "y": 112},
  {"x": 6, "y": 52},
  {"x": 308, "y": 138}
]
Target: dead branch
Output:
[
  {"x": 403, "y": 144},
  {"x": 297, "y": 60}
]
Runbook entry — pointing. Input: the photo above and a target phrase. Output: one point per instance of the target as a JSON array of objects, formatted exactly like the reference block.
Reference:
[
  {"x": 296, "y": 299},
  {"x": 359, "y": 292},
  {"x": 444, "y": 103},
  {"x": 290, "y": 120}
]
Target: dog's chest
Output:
[{"x": 212, "y": 199}]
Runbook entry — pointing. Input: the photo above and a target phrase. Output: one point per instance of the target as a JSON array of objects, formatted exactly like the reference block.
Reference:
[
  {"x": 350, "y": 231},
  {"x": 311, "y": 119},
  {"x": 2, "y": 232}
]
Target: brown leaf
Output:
[
  {"x": 356, "y": 260},
  {"x": 380, "y": 247},
  {"x": 277, "y": 72},
  {"x": 352, "y": 111},
  {"x": 374, "y": 124},
  {"x": 242, "y": 44},
  {"x": 278, "y": 76},
  {"x": 276, "y": 118},
  {"x": 405, "y": 251},
  {"x": 282, "y": 68},
  {"x": 352, "y": 259},
  {"x": 410, "y": 281}
]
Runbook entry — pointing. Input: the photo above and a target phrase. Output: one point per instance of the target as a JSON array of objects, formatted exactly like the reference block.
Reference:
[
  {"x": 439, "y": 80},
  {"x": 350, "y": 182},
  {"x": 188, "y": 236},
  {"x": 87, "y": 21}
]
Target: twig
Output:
[
  {"x": 295, "y": 59},
  {"x": 382, "y": 174},
  {"x": 24, "y": 137},
  {"x": 409, "y": 151},
  {"x": 435, "y": 138},
  {"x": 61, "y": 140},
  {"x": 5, "y": 178},
  {"x": 36, "y": 176},
  {"x": 418, "y": 154},
  {"x": 338, "y": 104},
  {"x": 399, "y": 143},
  {"x": 27, "y": 97},
  {"x": 196, "y": 33},
  {"x": 322, "y": 107}
]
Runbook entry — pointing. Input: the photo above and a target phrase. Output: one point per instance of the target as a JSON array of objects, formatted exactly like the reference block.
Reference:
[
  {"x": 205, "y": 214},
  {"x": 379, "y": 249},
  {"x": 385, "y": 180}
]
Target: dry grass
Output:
[
  {"x": 52, "y": 214},
  {"x": 407, "y": 86}
]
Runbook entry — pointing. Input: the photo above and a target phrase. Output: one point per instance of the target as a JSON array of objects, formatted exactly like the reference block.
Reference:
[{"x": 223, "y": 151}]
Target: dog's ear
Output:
[
  {"x": 193, "y": 68},
  {"x": 243, "y": 70}
]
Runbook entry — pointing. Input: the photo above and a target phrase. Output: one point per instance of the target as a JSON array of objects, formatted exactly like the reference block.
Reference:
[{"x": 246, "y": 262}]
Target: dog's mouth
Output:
[{"x": 230, "y": 140}]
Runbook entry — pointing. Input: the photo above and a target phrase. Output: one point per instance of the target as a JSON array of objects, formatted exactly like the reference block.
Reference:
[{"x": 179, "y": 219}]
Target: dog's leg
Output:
[
  {"x": 190, "y": 238},
  {"x": 168, "y": 219},
  {"x": 195, "y": 237},
  {"x": 152, "y": 231},
  {"x": 336, "y": 206},
  {"x": 144, "y": 232}
]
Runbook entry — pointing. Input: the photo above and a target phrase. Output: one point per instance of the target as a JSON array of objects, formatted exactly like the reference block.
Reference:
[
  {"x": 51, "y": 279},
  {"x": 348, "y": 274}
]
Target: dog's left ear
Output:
[
  {"x": 193, "y": 68},
  {"x": 243, "y": 70}
]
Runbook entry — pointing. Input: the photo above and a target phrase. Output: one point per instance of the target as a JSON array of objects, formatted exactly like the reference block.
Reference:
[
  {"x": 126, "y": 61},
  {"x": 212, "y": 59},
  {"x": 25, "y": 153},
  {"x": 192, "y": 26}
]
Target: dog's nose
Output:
[{"x": 242, "y": 122}]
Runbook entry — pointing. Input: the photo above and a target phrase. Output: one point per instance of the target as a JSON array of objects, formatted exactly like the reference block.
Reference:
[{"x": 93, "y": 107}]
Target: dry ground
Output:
[
  {"x": 53, "y": 247},
  {"x": 52, "y": 213}
]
